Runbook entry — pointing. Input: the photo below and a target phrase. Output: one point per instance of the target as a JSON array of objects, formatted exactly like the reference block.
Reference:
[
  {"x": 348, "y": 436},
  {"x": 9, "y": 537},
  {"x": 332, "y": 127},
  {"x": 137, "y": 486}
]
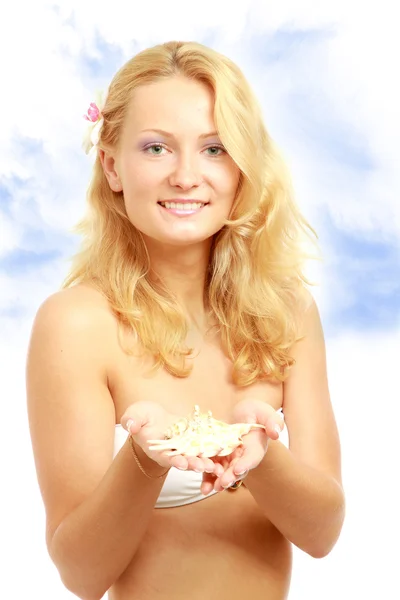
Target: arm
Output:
[
  {"x": 92, "y": 502},
  {"x": 300, "y": 489}
]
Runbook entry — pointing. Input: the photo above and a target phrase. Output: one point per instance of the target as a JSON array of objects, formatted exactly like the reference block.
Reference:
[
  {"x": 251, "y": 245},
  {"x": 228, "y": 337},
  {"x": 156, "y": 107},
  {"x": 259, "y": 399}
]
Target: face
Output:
[{"x": 179, "y": 183}]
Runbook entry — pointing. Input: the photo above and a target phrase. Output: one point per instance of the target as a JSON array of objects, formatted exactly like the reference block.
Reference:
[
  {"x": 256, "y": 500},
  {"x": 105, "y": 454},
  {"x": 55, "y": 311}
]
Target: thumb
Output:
[
  {"x": 133, "y": 423},
  {"x": 250, "y": 418}
]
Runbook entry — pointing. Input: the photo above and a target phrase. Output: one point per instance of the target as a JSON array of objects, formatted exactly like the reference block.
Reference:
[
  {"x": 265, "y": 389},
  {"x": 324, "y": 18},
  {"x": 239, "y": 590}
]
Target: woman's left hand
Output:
[{"x": 255, "y": 443}]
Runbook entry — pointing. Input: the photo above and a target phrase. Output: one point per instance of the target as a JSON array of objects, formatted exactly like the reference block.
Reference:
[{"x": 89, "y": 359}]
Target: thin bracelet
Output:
[{"x": 140, "y": 466}]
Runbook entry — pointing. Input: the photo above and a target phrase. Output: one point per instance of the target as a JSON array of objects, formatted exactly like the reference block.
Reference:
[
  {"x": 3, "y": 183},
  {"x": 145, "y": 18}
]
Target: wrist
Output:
[{"x": 149, "y": 467}]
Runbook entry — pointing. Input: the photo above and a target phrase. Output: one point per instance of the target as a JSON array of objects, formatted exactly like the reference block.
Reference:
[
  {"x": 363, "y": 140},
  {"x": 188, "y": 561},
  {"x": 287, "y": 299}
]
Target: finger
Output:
[
  {"x": 207, "y": 487},
  {"x": 195, "y": 464},
  {"x": 225, "y": 481},
  {"x": 228, "y": 480},
  {"x": 209, "y": 465},
  {"x": 207, "y": 484},
  {"x": 219, "y": 470},
  {"x": 132, "y": 425},
  {"x": 179, "y": 462},
  {"x": 263, "y": 414},
  {"x": 274, "y": 425},
  {"x": 225, "y": 472},
  {"x": 224, "y": 462},
  {"x": 253, "y": 453}
]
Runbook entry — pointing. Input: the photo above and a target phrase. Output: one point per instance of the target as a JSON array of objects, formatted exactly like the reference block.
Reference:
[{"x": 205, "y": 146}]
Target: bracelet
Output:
[{"x": 140, "y": 466}]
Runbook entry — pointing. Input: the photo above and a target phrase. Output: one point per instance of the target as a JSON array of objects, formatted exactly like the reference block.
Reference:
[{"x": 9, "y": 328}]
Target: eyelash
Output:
[{"x": 163, "y": 146}]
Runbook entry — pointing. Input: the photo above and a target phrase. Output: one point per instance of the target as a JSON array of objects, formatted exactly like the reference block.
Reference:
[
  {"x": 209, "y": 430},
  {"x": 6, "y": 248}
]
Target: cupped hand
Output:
[
  {"x": 255, "y": 444},
  {"x": 146, "y": 420}
]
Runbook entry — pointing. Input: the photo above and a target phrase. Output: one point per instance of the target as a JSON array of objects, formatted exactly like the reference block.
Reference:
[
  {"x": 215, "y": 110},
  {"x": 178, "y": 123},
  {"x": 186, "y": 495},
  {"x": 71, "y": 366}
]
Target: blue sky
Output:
[{"x": 369, "y": 273}]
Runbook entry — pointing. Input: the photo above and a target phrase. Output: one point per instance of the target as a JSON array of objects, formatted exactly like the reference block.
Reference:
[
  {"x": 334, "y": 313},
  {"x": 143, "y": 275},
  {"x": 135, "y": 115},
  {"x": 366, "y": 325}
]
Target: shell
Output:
[{"x": 202, "y": 435}]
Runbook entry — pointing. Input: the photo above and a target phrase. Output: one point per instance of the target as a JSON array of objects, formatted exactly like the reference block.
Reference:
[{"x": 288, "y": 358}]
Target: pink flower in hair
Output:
[
  {"x": 95, "y": 121},
  {"x": 93, "y": 113}
]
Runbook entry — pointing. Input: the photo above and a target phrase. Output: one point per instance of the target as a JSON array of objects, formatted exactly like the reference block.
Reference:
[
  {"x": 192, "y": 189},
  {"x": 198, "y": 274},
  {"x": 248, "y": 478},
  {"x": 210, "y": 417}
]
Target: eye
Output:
[
  {"x": 160, "y": 146},
  {"x": 216, "y": 148}
]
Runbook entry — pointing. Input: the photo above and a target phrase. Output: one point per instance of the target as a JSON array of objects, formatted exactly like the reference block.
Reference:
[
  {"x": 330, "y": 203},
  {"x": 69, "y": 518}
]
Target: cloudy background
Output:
[{"x": 328, "y": 78}]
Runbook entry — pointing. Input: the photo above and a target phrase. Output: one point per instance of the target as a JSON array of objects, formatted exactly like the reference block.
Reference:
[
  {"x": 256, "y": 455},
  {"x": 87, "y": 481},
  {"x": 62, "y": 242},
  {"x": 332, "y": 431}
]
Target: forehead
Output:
[{"x": 176, "y": 103}]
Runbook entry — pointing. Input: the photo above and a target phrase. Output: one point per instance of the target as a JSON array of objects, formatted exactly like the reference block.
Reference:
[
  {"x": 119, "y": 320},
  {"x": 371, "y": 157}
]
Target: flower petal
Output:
[{"x": 96, "y": 131}]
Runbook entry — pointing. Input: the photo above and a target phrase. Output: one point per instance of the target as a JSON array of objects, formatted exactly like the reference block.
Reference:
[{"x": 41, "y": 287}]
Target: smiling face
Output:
[{"x": 169, "y": 153}]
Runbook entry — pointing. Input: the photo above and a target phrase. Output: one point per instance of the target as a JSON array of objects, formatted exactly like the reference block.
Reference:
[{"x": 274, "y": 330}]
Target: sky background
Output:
[{"x": 327, "y": 76}]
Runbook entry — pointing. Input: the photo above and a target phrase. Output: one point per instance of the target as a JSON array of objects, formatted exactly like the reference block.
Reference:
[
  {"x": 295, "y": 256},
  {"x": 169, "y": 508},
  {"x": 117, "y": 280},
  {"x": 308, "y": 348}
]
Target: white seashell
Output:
[{"x": 202, "y": 435}]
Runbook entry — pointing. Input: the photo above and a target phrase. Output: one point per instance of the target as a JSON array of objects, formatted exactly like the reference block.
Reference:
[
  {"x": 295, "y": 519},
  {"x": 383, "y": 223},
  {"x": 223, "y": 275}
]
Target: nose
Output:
[{"x": 186, "y": 173}]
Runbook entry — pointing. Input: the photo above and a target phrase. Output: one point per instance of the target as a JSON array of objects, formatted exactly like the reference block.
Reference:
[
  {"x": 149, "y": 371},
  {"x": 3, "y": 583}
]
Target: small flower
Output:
[
  {"x": 92, "y": 136},
  {"x": 95, "y": 122},
  {"x": 92, "y": 113}
]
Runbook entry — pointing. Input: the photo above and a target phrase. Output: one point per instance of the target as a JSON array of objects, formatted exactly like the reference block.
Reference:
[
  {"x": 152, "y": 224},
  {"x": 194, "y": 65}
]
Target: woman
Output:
[{"x": 188, "y": 291}]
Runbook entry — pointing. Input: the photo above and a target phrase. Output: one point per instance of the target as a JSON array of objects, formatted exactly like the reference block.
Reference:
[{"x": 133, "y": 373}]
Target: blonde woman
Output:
[{"x": 188, "y": 290}]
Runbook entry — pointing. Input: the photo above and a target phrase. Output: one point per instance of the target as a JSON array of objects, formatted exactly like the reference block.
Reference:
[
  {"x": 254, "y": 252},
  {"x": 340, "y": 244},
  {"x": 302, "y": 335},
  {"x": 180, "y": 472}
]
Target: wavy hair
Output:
[{"x": 255, "y": 283}]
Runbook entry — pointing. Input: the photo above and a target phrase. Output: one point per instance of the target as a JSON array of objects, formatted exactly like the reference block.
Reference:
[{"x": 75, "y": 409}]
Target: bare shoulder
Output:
[
  {"x": 306, "y": 398},
  {"x": 71, "y": 411},
  {"x": 78, "y": 315},
  {"x": 81, "y": 304},
  {"x": 304, "y": 303}
]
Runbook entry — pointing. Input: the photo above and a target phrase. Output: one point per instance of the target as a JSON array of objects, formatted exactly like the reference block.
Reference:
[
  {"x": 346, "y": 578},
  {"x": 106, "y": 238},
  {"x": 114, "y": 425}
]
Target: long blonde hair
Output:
[{"x": 255, "y": 282}]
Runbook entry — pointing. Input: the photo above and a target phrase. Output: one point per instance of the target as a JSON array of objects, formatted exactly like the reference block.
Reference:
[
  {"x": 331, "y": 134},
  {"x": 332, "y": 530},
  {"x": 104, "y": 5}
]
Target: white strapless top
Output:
[{"x": 180, "y": 487}]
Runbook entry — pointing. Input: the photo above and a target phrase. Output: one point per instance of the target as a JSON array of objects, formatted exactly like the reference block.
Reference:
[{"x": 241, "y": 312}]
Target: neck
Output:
[{"x": 183, "y": 271}]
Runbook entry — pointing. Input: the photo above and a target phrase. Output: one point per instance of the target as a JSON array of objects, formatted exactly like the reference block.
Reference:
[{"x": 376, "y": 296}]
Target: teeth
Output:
[{"x": 181, "y": 206}]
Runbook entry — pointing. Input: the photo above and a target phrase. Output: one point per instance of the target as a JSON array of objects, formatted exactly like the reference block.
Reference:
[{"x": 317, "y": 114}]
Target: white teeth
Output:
[{"x": 183, "y": 206}]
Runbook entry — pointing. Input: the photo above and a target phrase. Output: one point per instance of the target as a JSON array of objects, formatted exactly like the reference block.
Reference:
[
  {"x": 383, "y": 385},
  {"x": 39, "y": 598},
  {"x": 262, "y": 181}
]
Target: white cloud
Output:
[
  {"x": 362, "y": 375},
  {"x": 10, "y": 234}
]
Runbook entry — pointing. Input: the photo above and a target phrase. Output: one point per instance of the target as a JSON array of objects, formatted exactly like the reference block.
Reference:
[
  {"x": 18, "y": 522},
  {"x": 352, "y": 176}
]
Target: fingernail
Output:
[
  {"x": 197, "y": 470},
  {"x": 241, "y": 472},
  {"x": 277, "y": 429},
  {"x": 129, "y": 423},
  {"x": 229, "y": 485}
]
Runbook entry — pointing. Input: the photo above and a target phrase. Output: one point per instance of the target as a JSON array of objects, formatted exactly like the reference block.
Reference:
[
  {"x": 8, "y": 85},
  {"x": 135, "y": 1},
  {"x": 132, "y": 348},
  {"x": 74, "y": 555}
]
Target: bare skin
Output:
[{"x": 196, "y": 552}]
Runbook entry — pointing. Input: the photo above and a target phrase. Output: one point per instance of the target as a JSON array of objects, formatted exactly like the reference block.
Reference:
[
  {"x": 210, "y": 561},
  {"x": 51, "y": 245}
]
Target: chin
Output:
[
  {"x": 181, "y": 238},
  {"x": 186, "y": 240}
]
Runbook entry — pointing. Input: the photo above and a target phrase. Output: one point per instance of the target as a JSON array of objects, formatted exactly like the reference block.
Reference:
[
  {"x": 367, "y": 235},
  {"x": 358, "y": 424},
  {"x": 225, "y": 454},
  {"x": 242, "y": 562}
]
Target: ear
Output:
[{"x": 109, "y": 168}]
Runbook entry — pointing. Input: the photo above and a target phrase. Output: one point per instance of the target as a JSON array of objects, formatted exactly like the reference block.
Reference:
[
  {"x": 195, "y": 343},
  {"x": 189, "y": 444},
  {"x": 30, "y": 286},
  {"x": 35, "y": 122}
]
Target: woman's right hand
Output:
[{"x": 148, "y": 421}]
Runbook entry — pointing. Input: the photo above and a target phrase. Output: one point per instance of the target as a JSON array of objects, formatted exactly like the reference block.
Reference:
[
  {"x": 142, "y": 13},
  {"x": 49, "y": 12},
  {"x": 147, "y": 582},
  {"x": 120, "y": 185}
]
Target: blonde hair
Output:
[{"x": 255, "y": 283}]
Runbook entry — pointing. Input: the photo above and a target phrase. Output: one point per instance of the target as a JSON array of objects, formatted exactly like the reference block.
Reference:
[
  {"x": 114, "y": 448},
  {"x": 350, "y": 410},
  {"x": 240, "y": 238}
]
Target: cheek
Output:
[
  {"x": 140, "y": 178},
  {"x": 141, "y": 175},
  {"x": 230, "y": 181}
]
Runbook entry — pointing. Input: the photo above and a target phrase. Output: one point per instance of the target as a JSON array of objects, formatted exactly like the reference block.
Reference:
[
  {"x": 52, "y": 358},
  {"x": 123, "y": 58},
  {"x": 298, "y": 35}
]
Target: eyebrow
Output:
[{"x": 171, "y": 135}]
